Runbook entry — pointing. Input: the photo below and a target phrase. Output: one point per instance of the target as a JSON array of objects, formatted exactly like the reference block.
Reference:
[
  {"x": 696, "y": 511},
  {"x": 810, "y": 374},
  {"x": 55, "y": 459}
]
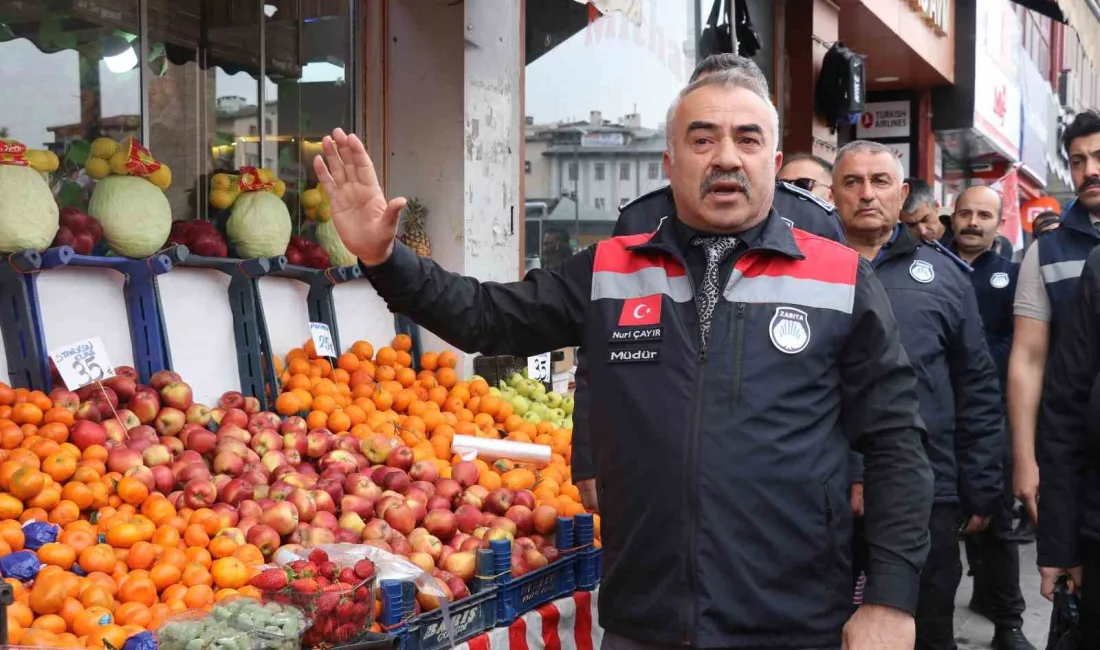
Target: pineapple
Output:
[{"x": 413, "y": 234}]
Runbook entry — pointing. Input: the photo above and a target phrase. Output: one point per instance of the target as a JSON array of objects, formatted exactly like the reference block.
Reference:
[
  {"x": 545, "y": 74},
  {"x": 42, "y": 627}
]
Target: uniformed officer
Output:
[
  {"x": 941, "y": 331},
  {"x": 993, "y": 554},
  {"x": 740, "y": 360},
  {"x": 1044, "y": 293},
  {"x": 799, "y": 207},
  {"x": 920, "y": 212},
  {"x": 809, "y": 172}
]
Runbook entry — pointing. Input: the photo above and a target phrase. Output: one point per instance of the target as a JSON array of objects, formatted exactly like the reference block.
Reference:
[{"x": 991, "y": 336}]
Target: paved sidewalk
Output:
[{"x": 972, "y": 632}]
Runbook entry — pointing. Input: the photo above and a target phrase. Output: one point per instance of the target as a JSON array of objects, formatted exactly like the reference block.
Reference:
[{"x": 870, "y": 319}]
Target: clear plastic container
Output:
[
  {"x": 198, "y": 630},
  {"x": 270, "y": 626}
]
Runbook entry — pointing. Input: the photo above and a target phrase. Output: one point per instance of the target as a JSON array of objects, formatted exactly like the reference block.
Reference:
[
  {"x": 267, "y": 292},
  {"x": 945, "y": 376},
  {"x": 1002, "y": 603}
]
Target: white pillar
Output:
[{"x": 454, "y": 130}]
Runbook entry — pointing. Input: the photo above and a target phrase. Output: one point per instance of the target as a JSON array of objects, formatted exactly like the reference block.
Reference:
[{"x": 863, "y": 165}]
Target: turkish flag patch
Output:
[{"x": 641, "y": 311}]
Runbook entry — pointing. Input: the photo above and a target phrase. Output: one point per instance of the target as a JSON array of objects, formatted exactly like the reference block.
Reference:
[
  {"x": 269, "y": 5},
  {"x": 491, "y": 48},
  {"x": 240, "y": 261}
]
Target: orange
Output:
[
  {"x": 195, "y": 536},
  {"x": 57, "y": 423},
  {"x": 165, "y": 575},
  {"x": 25, "y": 482},
  {"x": 196, "y": 574},
  {"x": 142, "y": 555},
  {"x": 361, "y": 349},
  {"x": 10, "y": 507},
  {"x": 429, "y": 360},
  {"x": 338, "y": 421},
  {"x": 132, "y": 490},
  {"x": 26, "y": 413},
  {"x": 139, "y": 590},
  {"x": 222, "y": 546},
  {"x": 100, "y": 557},
  {"x": 57, "y": 554},
  {"x": 51, "y": 622},
  {"x": 79, "y": 493},
  {"x": 64, "y": 513},
  {"x": 198, "y": 596},
  {"x": 200, "y": 556},
  {"x": 386, "y": 356},
  {"x": 249, "y": 554},
  {"x": 288, "y": 404},
  {"x": 133, "y": 613},
  {"x": 316, "y": 419},
  {"x": 229, "y": 573},
  {"x": 348, "y": 362},
  {"x": 97, "y": 596}
]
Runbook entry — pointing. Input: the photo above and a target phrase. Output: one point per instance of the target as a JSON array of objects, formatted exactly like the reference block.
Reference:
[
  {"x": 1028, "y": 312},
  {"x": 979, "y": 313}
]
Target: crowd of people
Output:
[{"x": 797, "y": 382}]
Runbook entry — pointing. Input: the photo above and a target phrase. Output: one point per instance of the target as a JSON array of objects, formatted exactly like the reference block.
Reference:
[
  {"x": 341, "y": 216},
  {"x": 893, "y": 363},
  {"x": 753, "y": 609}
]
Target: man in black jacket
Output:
[
  {"x": 993, "y": 554},
  {"x": 1069, "y": 455},
  {"x": 775, "y": 352},
  {"x": 960, "y": 400}
]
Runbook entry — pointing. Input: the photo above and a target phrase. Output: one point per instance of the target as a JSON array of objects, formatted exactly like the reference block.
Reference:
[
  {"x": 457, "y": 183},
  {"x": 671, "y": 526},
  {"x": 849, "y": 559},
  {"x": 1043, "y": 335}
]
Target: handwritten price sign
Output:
[
  {"x": 538, "y": 367},
  {"x": 322, "y": 339},
  {"x": 83, "y": 363}
]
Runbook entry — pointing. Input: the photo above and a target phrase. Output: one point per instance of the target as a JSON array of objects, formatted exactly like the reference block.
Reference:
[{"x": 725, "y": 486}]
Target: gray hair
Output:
[
  {"x": 920, "y": 193},
  {"x": 742, "y": 76},
  {"x": 722, "y": 62},
  {"x": 866, "y": 146}
]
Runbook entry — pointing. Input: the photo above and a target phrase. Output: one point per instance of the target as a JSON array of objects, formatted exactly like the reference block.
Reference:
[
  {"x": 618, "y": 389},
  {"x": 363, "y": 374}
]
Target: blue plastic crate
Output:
[
  {"x": 588, "y": 558},
  {"x": 517, "y": 596},
  {"x": 20, "y": 322},
  {"x": 469, "y": 617}
]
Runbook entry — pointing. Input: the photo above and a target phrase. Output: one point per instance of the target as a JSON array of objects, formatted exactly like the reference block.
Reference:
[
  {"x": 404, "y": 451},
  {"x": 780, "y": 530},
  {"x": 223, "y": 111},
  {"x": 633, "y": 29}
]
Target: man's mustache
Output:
[
  {"x": 971, "y": 231},
  {"x": 714, "y": 178},
  {"x": 1090, "y": 182}
]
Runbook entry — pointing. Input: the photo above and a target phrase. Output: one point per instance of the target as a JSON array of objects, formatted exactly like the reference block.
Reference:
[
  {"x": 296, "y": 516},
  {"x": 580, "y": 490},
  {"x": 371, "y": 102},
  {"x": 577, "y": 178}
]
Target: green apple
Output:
[
  {"x": 567, "y": 404},
  {"x": 553, "y": 399},
  {"x": 520, "y": 404}
]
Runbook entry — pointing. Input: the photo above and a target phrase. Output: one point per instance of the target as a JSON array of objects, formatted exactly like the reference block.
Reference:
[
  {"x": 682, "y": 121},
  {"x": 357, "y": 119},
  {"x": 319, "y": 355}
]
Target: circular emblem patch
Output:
[
  {"x": 789, "y": 330},
  {"x": 922, "y": 271},
  {"x": 998, "y": 280}
]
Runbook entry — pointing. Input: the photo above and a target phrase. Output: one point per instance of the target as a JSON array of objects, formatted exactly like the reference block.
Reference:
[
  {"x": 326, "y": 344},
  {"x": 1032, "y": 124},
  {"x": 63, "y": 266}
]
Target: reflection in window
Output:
[{"x": 68, "y": 78}]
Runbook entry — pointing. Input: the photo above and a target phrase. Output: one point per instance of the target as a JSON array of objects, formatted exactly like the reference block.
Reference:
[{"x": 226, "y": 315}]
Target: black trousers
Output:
[
  {"x": 994, "y": 559},
  {"x": 938, "y": 581},
  {"x": 1089, "y": 611}
]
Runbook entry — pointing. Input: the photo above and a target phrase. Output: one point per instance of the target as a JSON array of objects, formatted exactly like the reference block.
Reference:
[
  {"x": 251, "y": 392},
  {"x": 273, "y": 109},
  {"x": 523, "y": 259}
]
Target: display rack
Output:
[
  {"x": 320, "y": 307},
  {"x": 140, "y": 295},
  {"x": 23, "y": 354}
]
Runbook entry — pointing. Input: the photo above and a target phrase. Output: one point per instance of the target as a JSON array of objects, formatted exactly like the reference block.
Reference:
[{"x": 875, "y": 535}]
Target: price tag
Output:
[
  {"x": 538, "y": 367},
  {"x": 322, "y": 339},
  {"x": 83, "y": 363}
]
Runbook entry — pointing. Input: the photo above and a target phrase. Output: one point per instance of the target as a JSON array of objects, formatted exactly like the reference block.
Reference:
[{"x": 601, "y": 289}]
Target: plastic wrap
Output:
[
  {"x": 37, "y": 534},
  {"x": 234, "y": 624},
  {"x": 489, "y": 449},
  {"x": 21, "y": 565}
]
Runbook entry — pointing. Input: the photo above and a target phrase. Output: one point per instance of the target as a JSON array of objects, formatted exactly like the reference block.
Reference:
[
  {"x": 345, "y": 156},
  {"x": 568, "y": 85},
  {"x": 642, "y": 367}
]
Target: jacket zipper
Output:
[
  {"x": 691, "y": 493},
  {"x": 830, "y": 530},
  {"x": 738, "y": 342}
]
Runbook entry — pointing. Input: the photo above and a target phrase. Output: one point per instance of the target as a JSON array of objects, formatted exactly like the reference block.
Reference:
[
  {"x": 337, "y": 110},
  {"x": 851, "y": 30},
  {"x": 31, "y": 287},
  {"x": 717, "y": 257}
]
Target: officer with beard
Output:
[
  {"x": 797, "y": 206},
  {"x": 993, "y": 554}
]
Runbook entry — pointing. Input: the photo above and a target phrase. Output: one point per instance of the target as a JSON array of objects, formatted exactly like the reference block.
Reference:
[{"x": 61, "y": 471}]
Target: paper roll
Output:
[{"x": 489, "y": 449}]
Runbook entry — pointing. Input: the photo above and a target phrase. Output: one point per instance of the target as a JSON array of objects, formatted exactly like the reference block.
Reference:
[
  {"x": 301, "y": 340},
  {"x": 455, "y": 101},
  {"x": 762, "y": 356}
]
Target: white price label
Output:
[
  {"x": 83, "y": 363},
  {"x": 322, "y": 339},
  {"x": 538, "y": 367}
]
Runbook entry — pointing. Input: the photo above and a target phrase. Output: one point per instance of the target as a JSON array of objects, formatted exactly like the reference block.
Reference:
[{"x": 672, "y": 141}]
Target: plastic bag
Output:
[
  {"x": 141, "y": 641},
  {"x": 38, "y": 533},
  {"x": 1065, "y": 632},
  {"x": 388, "y": 565},
  {"x": 21, "y": 565}
]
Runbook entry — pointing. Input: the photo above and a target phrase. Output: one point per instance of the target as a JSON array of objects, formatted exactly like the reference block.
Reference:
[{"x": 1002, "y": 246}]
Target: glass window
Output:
[
  {"x": 572, "y": 171},
  {"x": 72, "y": 72},
  {"x": 69, "y": 77},
  {"x": 584, "y": 100}
]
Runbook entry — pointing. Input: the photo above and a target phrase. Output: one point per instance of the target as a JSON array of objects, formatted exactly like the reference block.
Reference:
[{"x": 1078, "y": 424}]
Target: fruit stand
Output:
[{"x": 200, "y": 451}]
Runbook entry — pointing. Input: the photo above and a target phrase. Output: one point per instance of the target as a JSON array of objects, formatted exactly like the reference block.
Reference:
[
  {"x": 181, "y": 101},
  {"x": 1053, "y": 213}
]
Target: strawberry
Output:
[
  {"x": 346, "y": 611},
  {"x": 328, "y": 569},
  {"x": 347, "y": 574},
  {"x": 364, "y": 569},
  {"x": 304, "y": 585},
  {"x": 327, "y": 602},
  {"x": 304, "y": 569},
  {"x": 270, "y": 580},
  {"x": 331, "y": 587},
  {"x": 318, "y": 557},
  {"x": 347, "y": 632}
]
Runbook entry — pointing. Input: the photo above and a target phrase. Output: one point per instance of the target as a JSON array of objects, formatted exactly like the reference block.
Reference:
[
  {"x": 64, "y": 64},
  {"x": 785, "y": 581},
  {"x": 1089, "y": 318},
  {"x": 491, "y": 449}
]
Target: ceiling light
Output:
[{"x": 886, "y": 80}]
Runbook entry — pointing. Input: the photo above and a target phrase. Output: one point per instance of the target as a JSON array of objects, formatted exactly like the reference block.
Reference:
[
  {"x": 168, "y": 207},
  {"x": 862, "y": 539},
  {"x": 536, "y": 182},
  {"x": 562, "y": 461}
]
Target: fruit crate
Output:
[
  {"x": 517, "y": 596},
  {"x": 248, "y": 327},
  {"x": 369, "y": 641},
  {"x": 589, "y": 559},
  {"x": 468, "y": 616},
  {"x": 25, "y": 360},
  {"x": 498, "y": 368},
  {"x": 146, "y": 339}
]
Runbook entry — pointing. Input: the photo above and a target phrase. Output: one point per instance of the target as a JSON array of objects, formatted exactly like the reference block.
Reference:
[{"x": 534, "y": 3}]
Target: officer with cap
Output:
[
  {"x": 960, "y": 400},
  {"x": 798, "y": 207}
]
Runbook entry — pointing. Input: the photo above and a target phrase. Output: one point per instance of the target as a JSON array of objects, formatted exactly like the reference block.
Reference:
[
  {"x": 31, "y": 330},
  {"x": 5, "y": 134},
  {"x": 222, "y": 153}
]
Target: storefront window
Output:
[
  {"x": 598, "y": 87},
  {"x": 71, "y": 73}
]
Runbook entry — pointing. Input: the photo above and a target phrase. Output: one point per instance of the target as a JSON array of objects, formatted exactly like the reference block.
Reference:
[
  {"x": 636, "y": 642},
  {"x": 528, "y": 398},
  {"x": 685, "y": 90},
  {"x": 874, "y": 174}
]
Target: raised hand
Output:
[{"x": 366, "y": 222}]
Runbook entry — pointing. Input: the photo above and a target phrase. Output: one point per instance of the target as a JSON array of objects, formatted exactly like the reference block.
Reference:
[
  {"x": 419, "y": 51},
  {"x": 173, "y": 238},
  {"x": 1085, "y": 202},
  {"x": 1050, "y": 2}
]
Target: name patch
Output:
[
  {"x": 634, "y": 356},
  {"x": 635, "y": 334}
]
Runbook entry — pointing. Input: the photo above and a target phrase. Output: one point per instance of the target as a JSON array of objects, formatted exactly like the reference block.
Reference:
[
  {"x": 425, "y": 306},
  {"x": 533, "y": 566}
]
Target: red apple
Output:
[
  {"x": 441, "y": 523},
  {"x": 522, "y": 516},
  {"x": 261, "y": 421},
  {"x": 235, "y": 492},
  {"x": 282, "y": 517},
  {"x": 318, "y": 443},
  {"x": 376, "y": 448},
  {"x": 353, "y": 522},
  {"x": 121, "y": 459},
  {"x": 498, "y": 501},
  {"x": 264, "y": 537},
  {"x": 156, "y": 455},
  {"x": 234, "y": 416},
  {"x": 227, "y": 462},
  {"x": 504, "y": 523},
  {"x": 379, "y": 543},
  {"x": 250, "y": 509},
  {"x": 396, "y": 480},
  {"x": 294, "y": 424},
  {"x": 524, "y": 498},
  {"x": 199, "y": 493},
  {"x": 85, "y": 433},
  {"x": 467, "y": 517},
  {"x": 170, "y": 421},
  {"x": 201, "y": 440},
  {"x": 377, "y": 529},
  {"x": 325, "y": 519},
  {"x": 466, "y": 473},
  {"x": 145, "y": 404},
  {"x": 448, "y": 488},
  {"x": 340, "y": 460},
  {"x": 143, "y": 474},
  {"x": 163, "y": 479},
  {"x": 424, "y": 471},
  {"x": 357, "y": 504},
  {"x": 251, "y": 405},
  {"x": 429, "y": 544},
  {"x": 266, "y": 440},
  {"x": 400, "y": 545},
  {"x": 88, "y": 411},
  {"x": 303, "y": 502},
  {"x": 423, "y": 560},
  {"x": 67, "y": 399},
  {"x": 234, "y": 432},
  {"x": 231, "y": 400},
  {"x": 400, "y": 457},
  {"x": 462, "y": 564},
  {"x": 437, "y": 502},
  {"x": 163, "y": 378},
  {"x": 177, "y": 395},
  {"x": 123, "y": 371},
  {"x": 198, "y": 414}
]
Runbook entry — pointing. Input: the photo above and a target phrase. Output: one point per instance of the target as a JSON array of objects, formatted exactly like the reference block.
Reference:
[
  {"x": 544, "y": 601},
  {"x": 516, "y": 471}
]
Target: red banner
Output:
[
  {"x": 1011, "y": 227},
  {"x": 13, "y": 153}
]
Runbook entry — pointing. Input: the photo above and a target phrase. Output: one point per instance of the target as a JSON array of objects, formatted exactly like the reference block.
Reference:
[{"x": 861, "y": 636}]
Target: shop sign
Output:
[
  {"x": 997, "y": 108},
  {"x": 934, "y": 12},
  {"x": 885, "y": 120},
  {"x": 1036, "y": 99},
  {"x": 901, "y": 150}
]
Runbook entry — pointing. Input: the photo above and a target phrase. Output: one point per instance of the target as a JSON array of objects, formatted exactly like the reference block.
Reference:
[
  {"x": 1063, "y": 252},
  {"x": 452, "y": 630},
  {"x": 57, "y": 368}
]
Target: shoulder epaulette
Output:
[
  {"x": 935, "y": 245},
  {"x": 659, "y": 190},
  {"x": 803, "y": 194}
]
